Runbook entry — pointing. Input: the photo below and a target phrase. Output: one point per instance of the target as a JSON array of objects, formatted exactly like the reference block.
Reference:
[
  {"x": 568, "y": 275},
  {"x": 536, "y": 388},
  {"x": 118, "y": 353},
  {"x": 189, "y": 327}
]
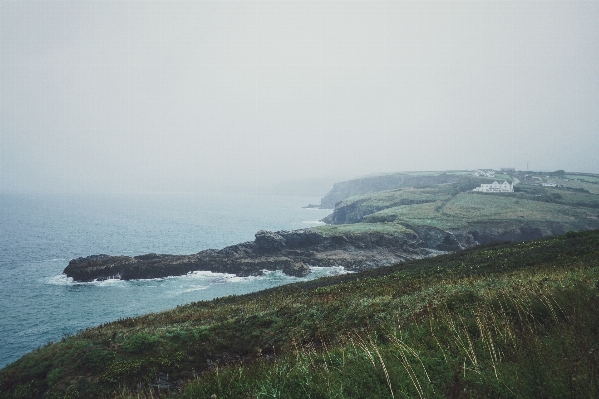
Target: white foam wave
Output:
[
  {"x": 247, "y": 279},
  {"x": 198, "y": 288},
  {"x": 313, "y": 222},
  {"x": 35, "y": 331},
  {"x": 330, "y": 270},
  {"x": 109, "y": 282},
  {"x": 203, "y": 274},
  {"x": 62, "y": 279}
]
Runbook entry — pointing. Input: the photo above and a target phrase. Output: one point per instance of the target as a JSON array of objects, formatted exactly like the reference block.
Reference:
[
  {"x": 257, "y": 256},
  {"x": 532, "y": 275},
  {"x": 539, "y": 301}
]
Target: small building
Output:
[
  {"x": 496, "y": 187},
  {"x": 507, "y": 169},
  {"x": 550, "y": 184},
  {"x": 485, "y": 172}
]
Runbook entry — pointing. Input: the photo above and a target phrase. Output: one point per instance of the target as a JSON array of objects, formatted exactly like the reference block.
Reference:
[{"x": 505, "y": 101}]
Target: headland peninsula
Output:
[{"x": 382, "y": 220}]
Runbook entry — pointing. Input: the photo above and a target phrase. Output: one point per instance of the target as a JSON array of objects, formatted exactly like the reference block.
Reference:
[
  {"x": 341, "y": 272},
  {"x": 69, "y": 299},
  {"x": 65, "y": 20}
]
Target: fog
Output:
[{"x": 127, "y": 96}]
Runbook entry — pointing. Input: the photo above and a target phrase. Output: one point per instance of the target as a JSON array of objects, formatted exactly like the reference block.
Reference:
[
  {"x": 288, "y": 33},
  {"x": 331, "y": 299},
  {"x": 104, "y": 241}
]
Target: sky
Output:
[{"x": 145, "y": 96}]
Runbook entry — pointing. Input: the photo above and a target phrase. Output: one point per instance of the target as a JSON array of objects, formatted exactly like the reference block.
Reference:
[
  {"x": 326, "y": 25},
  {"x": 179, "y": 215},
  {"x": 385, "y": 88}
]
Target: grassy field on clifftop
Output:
[
  {"x": 517, "y": 320},
  {"x": 456, "y": 206}
]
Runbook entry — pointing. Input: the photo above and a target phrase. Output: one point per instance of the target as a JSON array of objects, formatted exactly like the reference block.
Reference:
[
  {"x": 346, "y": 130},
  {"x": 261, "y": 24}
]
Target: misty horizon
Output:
[{"x": 251, "y": 96}]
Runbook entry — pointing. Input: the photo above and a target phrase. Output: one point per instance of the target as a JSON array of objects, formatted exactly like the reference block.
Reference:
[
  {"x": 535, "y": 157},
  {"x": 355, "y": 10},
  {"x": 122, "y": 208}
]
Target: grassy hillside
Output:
[
  {"x": 373, "y": 184},
  {"x": 472, "y": 207},
  {"x": 518, "y": 320},
  {"x": 455, "y": 206},
  {"x": 586, "y": 182}
]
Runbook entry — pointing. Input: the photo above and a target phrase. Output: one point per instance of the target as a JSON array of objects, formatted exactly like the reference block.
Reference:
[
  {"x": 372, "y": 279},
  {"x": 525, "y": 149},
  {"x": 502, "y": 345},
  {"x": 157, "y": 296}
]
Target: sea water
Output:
[{"x": 39, "y": 234}]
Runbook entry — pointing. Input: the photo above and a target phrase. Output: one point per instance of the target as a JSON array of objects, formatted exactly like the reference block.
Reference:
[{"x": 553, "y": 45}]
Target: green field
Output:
[
  {"x": 517, "y": 320},
  {"x": 502, "y": 176},
  {"x": 587, "y": 178},
  {"x": 359, "y": 228},
  {"x": 386, "y": 199},
  {"x": 445, "y": 207}
]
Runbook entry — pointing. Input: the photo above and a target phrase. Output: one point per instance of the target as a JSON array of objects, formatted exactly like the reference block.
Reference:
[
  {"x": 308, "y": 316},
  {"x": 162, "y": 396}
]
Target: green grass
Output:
[
  {"x": 480, "y": 206},
  {"x": 566, "y": 196},
  {"x": 427, "y": 214},
  {"x": 360, "y": 228},
  {"x": 502, "y": 176},
  {"x": 389, "y": 198},
  {"x": 587, "y": 178},
  {"x": 354, "y": 209},
  {"x": 455, "y": 206},
  {"x": 470, "y": 208},
  {"x": 517, "y": 320}
]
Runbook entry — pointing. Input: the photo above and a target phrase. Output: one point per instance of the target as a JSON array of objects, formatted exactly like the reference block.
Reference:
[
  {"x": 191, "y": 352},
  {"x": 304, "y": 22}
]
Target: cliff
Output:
[
  {"x": 438, "y": 213},
  {"x": 367, "y": 185}
]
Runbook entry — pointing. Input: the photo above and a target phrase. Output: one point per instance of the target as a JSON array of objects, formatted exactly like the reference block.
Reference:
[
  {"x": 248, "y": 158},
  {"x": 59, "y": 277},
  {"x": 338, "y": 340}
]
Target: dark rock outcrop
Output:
[
  {"x": 295, "y": 251},
  {"x": 297, "y": 269}
]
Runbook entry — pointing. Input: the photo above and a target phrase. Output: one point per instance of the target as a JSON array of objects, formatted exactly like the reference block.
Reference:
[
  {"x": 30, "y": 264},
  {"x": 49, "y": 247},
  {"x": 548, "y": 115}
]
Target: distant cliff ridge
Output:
[{"x": 366, "y": 185}]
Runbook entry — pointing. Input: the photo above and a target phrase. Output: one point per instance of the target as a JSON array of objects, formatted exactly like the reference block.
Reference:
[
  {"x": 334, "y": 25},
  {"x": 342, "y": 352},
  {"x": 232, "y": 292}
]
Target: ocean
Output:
[{"x": 39, "y": 234}]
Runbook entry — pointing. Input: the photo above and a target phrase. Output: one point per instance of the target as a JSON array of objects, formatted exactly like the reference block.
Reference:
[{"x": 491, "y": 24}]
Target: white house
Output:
[
  {"x": 550, "y": 184},
  {"x": 485, "y": 172},
  {"x": 495, "y": 187}
]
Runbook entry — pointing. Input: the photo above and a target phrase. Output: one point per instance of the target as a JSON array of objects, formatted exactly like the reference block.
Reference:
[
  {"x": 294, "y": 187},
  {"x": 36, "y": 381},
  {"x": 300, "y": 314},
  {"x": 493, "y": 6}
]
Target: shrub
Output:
[{"x": 139, "y": 343}]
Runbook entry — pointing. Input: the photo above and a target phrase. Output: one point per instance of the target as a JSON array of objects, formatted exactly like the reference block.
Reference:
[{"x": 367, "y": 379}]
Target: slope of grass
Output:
[
  {"x": 509, "y": 320},
  {"x": 583, "y": 177},
  {"x": 471, "y": 207},
  {"x": 504, "y": 206},
  {"x": 360, "y": 228},
  {"x": 563, "y": 195}
]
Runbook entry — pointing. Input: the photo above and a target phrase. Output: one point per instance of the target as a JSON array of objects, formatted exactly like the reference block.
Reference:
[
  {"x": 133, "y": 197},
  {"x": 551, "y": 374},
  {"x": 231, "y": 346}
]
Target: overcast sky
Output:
[{"x": 187, "y": 96}]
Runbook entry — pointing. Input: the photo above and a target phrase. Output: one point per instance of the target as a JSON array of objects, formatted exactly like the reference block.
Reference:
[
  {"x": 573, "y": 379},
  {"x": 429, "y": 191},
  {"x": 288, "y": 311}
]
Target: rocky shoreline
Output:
[{"x": 294, "y": 252}]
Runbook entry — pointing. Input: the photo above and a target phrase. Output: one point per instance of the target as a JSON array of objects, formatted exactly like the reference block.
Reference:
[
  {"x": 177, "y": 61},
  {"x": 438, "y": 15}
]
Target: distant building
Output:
[
  {"x": 485, "y": 172},
  {"x": 508, "y": 169},
  {"x": 550, "y": 184},
  {"x": 495, "y": 187}
]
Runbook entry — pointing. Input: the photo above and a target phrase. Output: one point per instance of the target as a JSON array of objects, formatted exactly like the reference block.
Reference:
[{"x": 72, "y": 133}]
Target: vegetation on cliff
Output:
[
  {"x": 373, "y": 184},
  {"x": 532, "y": 211},
  {"x": 513, "y": 320}
]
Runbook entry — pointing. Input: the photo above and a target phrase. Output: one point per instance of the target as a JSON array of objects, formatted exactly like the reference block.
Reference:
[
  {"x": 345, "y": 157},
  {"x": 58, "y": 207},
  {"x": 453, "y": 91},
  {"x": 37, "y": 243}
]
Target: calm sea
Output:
[{"x": 39, "y": 234}]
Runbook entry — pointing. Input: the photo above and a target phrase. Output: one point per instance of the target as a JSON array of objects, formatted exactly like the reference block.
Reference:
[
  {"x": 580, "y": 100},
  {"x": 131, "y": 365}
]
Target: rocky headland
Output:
[{"x": 294, "y": 252}]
